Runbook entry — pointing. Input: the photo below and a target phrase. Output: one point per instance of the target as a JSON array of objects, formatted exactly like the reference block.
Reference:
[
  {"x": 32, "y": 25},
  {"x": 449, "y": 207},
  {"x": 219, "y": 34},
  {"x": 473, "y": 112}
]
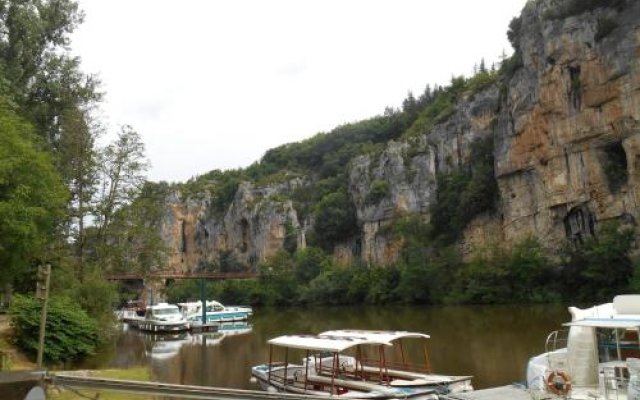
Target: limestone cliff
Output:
[
  {"x": 564, "y": 123},
  {"x": 257, "y": 224}
]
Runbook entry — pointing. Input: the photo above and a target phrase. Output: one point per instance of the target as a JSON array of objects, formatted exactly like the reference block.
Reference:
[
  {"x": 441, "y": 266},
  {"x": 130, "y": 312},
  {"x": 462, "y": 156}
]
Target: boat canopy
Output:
[
  {"x": 621, "y": 323},
  {"x": 322, "y": 342},
  {"x": 378, "y": 336}
]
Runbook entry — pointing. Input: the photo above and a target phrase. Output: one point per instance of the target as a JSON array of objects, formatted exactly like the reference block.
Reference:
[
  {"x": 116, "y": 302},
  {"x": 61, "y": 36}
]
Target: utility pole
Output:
[{"x": 42, "y": 293}]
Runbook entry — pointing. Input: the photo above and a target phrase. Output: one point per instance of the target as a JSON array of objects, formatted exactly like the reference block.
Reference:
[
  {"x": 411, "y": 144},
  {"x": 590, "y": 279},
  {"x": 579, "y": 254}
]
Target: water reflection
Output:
[{"x": 492, "y": 343}]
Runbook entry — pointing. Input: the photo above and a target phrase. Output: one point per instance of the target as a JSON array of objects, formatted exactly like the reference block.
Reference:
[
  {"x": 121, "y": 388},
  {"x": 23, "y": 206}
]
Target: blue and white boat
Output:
[{"x": 215, "y": 312}]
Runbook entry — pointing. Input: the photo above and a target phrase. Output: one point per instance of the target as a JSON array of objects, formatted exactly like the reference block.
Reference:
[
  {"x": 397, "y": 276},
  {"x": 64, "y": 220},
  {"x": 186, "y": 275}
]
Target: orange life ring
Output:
[{"x": 559, "y": 383}]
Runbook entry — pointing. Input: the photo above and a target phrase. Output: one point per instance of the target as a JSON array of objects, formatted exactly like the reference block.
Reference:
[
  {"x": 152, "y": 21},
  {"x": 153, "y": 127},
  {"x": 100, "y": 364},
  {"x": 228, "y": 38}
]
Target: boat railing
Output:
[{"x": 557, "y": 340}]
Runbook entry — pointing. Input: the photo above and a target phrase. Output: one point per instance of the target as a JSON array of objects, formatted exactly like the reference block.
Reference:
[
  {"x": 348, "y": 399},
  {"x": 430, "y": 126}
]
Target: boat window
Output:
[
  {"x": 166, "y": 311},
  {"x": 617, "y": 344}
]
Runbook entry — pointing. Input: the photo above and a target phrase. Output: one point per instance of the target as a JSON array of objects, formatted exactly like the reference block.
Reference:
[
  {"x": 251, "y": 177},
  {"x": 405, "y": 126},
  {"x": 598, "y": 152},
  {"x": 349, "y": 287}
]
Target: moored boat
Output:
[
  {"x": 215, "y": 312},
  {"x": 161, "y": 317},
  {"x": 332, "y": 379},
  {"x": 401, "y": 372},
  {"x": 597, "y": 358}
]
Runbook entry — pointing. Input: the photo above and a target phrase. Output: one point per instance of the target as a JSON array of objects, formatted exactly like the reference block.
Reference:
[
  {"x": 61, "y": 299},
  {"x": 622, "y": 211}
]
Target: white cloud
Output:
[{"x": 214, "y": 84}]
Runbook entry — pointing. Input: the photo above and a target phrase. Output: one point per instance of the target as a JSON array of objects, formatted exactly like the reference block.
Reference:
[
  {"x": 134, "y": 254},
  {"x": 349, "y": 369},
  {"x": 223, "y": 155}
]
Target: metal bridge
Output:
[{"x": 184, "y": 275}]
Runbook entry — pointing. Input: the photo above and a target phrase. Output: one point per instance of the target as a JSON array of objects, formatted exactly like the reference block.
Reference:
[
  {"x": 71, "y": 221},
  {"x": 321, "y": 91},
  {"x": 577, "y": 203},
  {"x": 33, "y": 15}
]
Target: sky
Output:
[{"x": 213, "y": 84}]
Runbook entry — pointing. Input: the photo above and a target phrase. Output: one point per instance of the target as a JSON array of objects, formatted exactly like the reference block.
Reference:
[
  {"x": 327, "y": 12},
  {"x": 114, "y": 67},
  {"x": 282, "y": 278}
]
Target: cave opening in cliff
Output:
[
  {"x": 575, "y": 89},
  {"x": 614, "y": 166},
  {"x": 579, "y": 224},
  {"x": 244, "y": 232},
  {"x": 183, "y": 237}
]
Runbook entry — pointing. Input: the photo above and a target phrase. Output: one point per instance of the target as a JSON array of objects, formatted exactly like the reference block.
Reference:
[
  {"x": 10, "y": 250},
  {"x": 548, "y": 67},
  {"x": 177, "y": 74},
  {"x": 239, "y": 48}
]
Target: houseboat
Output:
[
  {"x": 215, "y": 312},
  {"x": 161, "y": 317},
  {"x": 597, "y": 358}
]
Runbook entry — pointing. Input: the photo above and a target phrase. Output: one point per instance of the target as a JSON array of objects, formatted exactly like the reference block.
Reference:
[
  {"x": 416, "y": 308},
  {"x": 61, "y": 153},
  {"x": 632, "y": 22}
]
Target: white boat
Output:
[
  {"x": 598, "y": 357},
  {"x": 215, "y": 312},
  {"x": 333, "y": 379},
  {"x": 161, "y": 317},
  {"x": 401, "y": 372}
]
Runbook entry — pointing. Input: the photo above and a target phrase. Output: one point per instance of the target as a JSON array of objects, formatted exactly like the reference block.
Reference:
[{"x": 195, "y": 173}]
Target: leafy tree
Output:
[
  {"x": 32, "y": 196},
  {"x": 309, "y": 262},
  {"x": 122, "y": 174},
  {"x": 335, "y": 219}
]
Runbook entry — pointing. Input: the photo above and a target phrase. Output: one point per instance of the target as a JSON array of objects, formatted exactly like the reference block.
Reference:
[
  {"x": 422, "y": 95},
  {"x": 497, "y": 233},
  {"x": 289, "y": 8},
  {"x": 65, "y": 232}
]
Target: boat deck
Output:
[{"x": 511, "y": 392}]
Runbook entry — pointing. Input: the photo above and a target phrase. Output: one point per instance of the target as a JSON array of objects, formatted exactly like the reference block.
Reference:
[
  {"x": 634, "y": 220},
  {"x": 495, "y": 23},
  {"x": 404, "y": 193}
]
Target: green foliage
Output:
[
  {"x": 32, "y": 196},
  {"x": 278, "y": 282},
  {"x": 605, "y": 26},
  {"x": 615, "y": 166},
  {"x": 335, "y": 220},
  {"x": 353, "y": 285},
  {"x": 378, "y": 191},
  {"x": 521, "y": 274},
  {"x": 599, "y": 268},
  {"x": 514, "y": 33},
  {"x": 309, "y": 262},
  {"x": 462, "y": 195},
  {"x": 70, "y": 333},
  {"x": 570, "y": 8}
]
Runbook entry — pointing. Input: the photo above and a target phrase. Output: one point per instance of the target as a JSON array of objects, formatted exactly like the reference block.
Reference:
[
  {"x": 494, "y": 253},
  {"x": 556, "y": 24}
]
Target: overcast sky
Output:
[{"x": 214, "y": 84}]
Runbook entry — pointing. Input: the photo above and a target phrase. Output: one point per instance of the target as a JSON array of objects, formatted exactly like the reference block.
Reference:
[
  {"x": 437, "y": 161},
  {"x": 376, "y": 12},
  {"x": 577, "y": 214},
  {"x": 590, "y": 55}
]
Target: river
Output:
[{"x": 492, "y": 343}]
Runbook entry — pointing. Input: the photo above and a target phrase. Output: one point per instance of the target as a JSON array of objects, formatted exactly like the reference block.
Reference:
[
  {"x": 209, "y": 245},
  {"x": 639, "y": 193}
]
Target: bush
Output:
[
  {"x": 600, "y": 268},
  {"x": 463, "y": 195},
  {"x": 575, "y": 7},
  {"x": 335, "y": 220},
  {"x": 605, "y": 27},
  {"x": 70, "y": 333},
  {"x": 379, "y": 190}
]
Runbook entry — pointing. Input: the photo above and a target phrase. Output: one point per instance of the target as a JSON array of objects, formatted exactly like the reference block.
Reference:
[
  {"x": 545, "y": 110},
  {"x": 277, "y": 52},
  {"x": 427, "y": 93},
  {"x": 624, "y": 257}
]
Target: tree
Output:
[
  {"x": 78, "y": 164},
  {"x": 122, "y": 174},
  {"x": 32, "y": 196},
  {"x": 309, "y": 262}
]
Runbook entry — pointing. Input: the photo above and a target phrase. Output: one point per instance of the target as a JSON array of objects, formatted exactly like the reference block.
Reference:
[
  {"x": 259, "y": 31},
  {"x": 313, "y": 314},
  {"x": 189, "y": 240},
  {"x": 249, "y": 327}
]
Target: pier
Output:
[
  {"x": 510, "y": 392},
  {"x": 170, "y": 390}
]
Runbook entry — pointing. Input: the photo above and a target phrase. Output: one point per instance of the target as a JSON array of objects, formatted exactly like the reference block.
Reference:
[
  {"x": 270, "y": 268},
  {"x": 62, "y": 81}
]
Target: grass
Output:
[{"x": 132, "y": 374}]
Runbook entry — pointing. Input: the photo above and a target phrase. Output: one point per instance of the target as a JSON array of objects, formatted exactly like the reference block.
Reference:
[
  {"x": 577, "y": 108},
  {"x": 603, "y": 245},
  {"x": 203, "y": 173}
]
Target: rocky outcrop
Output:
[
  {"x": 566, "y": 140},
  {"x": 258, "y": 223},
  {"x": 567, "y": 134}
]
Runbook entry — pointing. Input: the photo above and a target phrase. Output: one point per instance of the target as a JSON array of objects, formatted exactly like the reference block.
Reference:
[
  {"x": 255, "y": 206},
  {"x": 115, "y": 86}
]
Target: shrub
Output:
[
  {"x": 605, "y": 27},
  {"x": 70, "y": 332},
  {"x": 379, "y": 190},
  {"x": 570, "y": 8},
  {"x": 615, "y": 166},
  {"x": 600, "y": 268}
]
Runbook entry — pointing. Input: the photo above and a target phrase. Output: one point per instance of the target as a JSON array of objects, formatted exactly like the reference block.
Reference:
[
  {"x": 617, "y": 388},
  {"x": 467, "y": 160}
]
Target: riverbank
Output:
[
  {"x": 132, "y": 374},
  {"x": 17, "y": 360}
]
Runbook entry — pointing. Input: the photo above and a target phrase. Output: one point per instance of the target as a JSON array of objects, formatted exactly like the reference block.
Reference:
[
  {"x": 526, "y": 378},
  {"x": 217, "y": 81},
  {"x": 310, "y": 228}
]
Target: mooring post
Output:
[
  {"x": 42, "y": 293},
  {"x": 203, "y": 299}
]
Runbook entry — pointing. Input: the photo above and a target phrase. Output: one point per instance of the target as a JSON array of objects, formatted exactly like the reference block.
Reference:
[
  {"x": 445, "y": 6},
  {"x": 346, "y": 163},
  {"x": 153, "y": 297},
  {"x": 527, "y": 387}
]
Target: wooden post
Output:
[
  {"x": 286, "y": 364},
  {"x": 44, "y": 273},
  {"x": 270, "y": 362},
  {"x": 203, "y": 300},
  {"x": 333, "y": 370},
  {"x": 306, "y": 372}
]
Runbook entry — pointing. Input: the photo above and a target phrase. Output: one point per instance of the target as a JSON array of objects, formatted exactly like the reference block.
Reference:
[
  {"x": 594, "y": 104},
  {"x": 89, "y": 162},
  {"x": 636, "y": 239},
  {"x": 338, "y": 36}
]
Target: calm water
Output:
[{"x": 492, "y": 343}]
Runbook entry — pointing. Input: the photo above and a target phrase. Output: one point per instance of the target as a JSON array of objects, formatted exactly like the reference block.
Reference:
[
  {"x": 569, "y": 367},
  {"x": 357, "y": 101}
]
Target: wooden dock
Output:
[{"x": 511, "y": 392}]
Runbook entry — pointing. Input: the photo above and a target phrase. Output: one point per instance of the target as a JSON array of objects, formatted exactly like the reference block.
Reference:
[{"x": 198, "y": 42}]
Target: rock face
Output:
[
  {"x": 258, "y": 223},
  {"x": 566, "y": 147}
]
